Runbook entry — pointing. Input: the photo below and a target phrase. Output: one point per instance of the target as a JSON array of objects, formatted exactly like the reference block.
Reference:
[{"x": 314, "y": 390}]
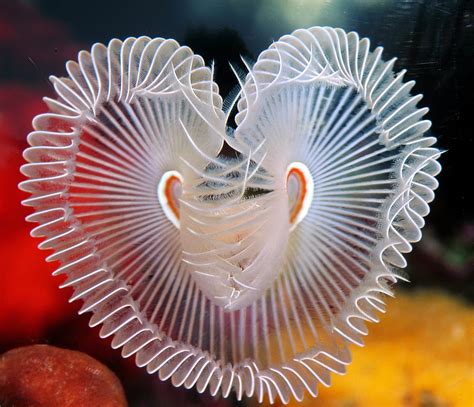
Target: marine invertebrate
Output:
[{"x": 209, "y": 269}]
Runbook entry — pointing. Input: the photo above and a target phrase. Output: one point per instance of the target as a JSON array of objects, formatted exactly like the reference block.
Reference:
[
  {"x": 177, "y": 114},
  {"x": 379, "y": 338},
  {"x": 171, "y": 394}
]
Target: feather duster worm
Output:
[{"x": 209, "y": 270}]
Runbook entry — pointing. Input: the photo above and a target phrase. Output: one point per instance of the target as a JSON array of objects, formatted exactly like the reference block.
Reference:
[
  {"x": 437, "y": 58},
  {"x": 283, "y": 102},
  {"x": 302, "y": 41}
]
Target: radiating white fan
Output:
[{"x": 250, "y": 274}]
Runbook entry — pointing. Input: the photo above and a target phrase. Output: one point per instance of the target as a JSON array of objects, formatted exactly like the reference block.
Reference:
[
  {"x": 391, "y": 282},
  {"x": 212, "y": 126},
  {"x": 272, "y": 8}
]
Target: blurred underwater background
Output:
[{"x": 421, "y": 354}]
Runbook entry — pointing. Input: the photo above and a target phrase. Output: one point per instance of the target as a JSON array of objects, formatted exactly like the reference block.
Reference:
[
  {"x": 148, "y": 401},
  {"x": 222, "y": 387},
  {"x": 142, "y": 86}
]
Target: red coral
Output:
[{"x": 30, "y": 301}]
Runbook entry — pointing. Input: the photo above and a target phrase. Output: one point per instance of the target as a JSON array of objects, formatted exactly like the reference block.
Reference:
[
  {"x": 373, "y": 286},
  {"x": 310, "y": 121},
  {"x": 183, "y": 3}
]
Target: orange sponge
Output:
[{"x": 421, "y": 354}]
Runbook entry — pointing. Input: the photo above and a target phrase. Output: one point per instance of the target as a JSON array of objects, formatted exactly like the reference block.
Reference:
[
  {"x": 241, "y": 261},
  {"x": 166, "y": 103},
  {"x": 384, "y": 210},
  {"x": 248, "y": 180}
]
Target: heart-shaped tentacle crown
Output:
[{"x": 250, "y": 274}]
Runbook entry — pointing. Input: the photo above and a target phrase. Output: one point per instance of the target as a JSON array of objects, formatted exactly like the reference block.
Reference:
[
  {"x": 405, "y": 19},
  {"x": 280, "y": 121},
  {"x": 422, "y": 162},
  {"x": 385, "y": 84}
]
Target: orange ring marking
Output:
[
  {"x": 302, "y": 184},
  {"x": 169, "y": 194}
]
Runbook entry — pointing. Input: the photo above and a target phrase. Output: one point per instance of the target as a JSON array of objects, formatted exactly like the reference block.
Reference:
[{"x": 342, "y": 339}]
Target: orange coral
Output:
[
  {"x": 43, "y": 375},
  {"x": 420, "y": 355}
]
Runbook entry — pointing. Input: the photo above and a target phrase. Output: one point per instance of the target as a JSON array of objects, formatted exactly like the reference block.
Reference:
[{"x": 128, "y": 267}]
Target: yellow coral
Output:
[{"x": 421, "y": 354}]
